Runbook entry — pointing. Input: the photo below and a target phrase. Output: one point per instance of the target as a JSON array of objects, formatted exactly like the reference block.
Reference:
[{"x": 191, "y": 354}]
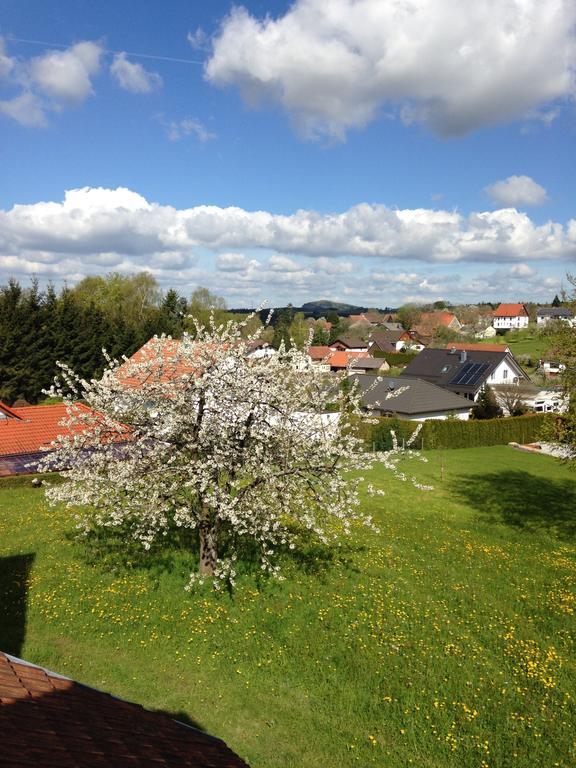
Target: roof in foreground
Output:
[
  {"x": 409, "y": 396},
  {"x": 32, "y": 428},
  {"x": 49, "y": 720}
]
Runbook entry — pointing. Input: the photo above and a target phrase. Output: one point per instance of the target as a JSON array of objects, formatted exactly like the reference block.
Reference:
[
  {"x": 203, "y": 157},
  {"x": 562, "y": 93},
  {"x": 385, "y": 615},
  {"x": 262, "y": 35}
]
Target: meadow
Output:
[{"x": 444, "y": 640}]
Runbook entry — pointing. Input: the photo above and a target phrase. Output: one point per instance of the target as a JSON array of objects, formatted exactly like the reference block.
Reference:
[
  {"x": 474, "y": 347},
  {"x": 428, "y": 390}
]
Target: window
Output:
[{"x": 505, "y": 373}]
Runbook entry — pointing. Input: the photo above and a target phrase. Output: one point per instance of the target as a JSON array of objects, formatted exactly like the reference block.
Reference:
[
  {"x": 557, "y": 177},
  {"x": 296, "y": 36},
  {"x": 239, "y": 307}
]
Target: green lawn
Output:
[
  {"x": 526, "y": 342},
  {"x": 445, "y": 640}
]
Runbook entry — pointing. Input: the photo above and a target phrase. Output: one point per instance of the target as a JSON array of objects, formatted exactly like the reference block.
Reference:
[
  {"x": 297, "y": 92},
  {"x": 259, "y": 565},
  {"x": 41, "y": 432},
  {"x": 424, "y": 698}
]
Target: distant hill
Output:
[
  {"x": 323, "y": 306},
  {"x": 316, "y": 309}
]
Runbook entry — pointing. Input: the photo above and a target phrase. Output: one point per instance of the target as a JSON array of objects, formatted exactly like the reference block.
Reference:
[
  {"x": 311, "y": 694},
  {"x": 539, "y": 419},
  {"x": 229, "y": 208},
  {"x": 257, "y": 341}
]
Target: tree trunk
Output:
[{"x": 208, "y": 542}]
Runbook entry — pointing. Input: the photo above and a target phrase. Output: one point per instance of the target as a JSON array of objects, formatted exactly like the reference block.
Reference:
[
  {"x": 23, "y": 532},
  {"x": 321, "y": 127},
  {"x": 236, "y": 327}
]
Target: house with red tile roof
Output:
[
  {"x": 26, "y": 433},
  {"x": 509, "y": 316},
  {"x": 430, "y": 322},
  {"x": 481, "y": 347},
  {"x": 50, "y": 720}
]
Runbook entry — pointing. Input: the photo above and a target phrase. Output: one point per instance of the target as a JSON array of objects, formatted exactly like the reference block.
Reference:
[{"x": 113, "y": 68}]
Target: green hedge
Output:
[{"x": 453, "y": 433}]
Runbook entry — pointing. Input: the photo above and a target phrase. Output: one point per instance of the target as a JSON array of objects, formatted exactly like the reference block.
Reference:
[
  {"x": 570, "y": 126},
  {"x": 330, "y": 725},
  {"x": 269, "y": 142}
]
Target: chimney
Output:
[
  {"x": 452, "y": 351},
  {"x": 463, "y": 356}
]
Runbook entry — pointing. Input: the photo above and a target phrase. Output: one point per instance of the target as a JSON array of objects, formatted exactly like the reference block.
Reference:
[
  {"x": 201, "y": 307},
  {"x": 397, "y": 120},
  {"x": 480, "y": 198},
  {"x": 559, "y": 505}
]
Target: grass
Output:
[
  {"x": 445, "y": 640},
  {"x": 529, "y": 341}
]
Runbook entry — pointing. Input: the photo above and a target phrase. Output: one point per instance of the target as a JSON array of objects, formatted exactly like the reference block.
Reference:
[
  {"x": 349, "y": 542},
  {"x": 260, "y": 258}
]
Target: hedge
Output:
[{"x": 453, "y": 433}]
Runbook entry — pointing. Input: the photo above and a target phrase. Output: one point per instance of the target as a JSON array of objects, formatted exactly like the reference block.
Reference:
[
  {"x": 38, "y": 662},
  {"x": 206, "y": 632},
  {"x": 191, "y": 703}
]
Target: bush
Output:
[{"x": 454, "y": 433}]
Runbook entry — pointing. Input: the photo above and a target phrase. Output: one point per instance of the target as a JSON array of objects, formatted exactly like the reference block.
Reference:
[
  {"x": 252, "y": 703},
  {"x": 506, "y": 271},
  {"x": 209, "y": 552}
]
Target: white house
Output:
[
  {"x": 509, "y": 316},
  {"x": 545, "y": 315}
]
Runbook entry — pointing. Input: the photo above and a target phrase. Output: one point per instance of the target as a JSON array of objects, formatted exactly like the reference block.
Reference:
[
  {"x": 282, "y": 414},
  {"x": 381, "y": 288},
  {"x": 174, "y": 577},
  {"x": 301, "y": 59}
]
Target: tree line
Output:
[{"x": 117, "y": 312}]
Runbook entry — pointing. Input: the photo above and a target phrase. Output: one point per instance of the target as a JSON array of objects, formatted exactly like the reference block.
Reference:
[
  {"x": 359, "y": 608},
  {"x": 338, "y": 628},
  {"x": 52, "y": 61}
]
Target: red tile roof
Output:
[
  {"x": 342, "y": 359},
  {"x": 481, "y": 347},
  {"x": 32, "y": 428},
  {"x": 49, "y": 720},
  {"x": 511, "y": 310},
  {"x": 437, "y": 318},
  {"x": 7, "y": 412},
  {"x": 319, "y": 352}
]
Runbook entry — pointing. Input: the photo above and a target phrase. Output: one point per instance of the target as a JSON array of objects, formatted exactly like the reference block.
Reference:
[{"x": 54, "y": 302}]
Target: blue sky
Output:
[{"x": 360, "y": 150}]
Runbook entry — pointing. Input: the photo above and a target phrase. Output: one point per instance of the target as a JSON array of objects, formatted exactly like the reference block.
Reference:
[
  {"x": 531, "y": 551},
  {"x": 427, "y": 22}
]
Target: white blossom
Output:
[{"x": 194, "y": 433}]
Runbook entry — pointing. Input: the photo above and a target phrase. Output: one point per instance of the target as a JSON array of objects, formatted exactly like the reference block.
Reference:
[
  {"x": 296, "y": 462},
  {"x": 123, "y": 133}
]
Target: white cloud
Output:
[
  {"x": 454, "y": 66},
  {"x": 133, "y": 77},
  {"x": 198, "y": 39},
  {"x": 517, "y": 190},
  {"x": 522, "y": 271},
  {"x": 121, "y": 229},
  {"x": 189, "y": 126},
  {"x": 233, "y": 262},
  {"x": 6, "y": 62},
  {"x": 283, "y": 264},
  {"x": 66, "y": 75},
  {"x": 25, "y": 108}
]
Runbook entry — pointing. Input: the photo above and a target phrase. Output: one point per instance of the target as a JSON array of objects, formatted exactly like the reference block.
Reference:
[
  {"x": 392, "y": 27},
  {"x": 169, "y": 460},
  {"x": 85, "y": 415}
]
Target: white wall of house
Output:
[
  {"x": 518, "y": 321},
  {"x": 503, "y": 374},
  {"x": 545, "y": 319},
  {"x": 438, "y": 415}
]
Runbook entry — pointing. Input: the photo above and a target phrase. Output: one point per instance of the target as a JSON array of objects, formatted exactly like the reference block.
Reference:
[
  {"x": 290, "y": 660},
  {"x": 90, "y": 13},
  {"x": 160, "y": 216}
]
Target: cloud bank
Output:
[
  {"x": 453, "y": 66},
  {"x": 91, "y": 221}
]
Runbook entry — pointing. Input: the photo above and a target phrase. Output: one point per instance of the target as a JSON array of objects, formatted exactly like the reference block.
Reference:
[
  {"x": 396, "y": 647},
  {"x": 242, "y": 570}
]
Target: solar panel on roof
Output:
[{"x": 470, "y": 374}]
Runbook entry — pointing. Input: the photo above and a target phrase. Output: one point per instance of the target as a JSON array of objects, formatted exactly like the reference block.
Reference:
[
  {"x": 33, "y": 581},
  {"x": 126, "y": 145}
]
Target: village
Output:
[{"x": 439, "y": 379}]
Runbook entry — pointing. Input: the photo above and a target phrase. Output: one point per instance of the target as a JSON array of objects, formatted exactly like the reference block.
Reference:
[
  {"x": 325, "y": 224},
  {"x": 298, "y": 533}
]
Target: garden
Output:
[{"x": 444, "y": 639}]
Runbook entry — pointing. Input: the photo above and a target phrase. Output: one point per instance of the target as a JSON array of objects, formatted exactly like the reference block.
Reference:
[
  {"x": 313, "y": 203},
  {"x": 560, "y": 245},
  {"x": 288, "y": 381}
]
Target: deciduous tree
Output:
[{"x": 195, "y": 434}]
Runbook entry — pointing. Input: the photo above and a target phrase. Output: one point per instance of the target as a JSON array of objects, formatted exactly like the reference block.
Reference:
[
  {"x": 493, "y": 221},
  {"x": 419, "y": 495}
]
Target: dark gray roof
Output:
[
  {"x": 385, "y": 340},
  {"x": 352, "y": 342},
  {"x": 553, "y": 312},
  {"x": 457, "y": 370},
  {"x": 409, "y": 397}
]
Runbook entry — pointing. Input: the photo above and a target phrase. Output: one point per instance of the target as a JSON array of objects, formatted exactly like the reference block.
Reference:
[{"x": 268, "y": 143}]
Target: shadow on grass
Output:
[
  {"x": 522, "y": 500},
  {"x": 177, "y": 552},
  {"x": 14, "y": 579},
  {"x": 183, "y": 718}
]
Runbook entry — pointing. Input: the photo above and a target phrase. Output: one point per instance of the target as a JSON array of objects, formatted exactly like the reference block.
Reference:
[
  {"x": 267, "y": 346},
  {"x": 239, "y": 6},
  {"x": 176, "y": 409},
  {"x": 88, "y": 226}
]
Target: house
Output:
[
  {"x": 464, "y": 371},
  {"x": 551, "y": 367},
  {"x": 340, "y": 360},
  {"x": 349, "y": 343},
  {"x": 409, "y": 398},
  {"x": 509, "y": 316},
  {"x": 545, "y": 315},
  {"x": 430, "y": 322},
  {"x": 319, "y": 357},
  {"x": 389, "y": 341},
  {"x": 50, "y": 720},
  {"x": 26, "y": 433},
  {"x": 487, "y": 333},
  {"x": 366, "y": 364}
]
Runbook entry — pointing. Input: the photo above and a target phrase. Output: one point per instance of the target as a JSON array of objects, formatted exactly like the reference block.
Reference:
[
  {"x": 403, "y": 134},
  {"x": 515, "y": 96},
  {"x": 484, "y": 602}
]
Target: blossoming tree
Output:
[{"x": 199, "y": 433}]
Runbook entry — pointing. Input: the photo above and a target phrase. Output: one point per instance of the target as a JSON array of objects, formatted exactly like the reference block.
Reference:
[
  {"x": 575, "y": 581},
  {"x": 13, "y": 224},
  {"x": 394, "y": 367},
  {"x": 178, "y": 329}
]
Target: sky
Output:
[{"x": 375, "y": 152}]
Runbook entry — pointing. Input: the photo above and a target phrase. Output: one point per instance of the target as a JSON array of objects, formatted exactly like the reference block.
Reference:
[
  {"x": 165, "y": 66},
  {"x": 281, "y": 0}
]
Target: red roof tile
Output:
[
  {"x": 48, "y": 720},
  {"x": 511, "y": 310},
  {"x": 481, "y": 347},
  {"x": 319, "y": 352},
  {"x": 32, "y": 428},
  {"x": 341, "y": 359}
]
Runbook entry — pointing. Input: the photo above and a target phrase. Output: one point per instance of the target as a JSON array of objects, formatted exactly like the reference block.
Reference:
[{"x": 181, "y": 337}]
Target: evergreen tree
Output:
[
  {"x": 556, "y": 301},
  {"x": 486, "y": 406}
]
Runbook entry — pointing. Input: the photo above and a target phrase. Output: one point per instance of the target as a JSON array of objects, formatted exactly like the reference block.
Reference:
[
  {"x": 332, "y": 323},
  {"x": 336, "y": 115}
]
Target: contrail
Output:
[{"x": 106, "y": 50}]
